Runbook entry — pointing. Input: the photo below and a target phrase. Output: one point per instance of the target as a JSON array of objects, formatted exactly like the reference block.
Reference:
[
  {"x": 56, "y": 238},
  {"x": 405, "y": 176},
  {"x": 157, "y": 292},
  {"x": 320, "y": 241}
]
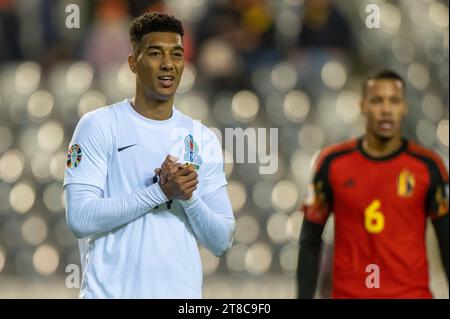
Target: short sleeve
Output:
[
  {"x": 318, "y": 200},
  {"x": 437, "y": 196},
  {"x": 213, "y": 166},
  {"x": 88, "y": 152}
]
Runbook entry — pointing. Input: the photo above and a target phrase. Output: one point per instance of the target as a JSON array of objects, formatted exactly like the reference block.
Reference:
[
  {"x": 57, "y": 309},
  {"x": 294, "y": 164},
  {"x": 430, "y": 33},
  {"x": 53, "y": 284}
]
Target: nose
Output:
[
  {"x": 386, "y": 107},
  {"x": 166, "y": 63}
]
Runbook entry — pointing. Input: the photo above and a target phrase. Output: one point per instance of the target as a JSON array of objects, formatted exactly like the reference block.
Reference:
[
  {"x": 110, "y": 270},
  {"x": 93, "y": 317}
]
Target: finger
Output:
[
  {"x": 188, "y": 193},
  {"x": 189, "y": 184},
  {"x": 171, "y": 170},
  {"x": 189, "y": 165},
  {"x": 169, "y": 159},
  {"x": 183, "y": 172},
  {"x": 187, "y": 178},
  {"x": 191, "y": 176}
]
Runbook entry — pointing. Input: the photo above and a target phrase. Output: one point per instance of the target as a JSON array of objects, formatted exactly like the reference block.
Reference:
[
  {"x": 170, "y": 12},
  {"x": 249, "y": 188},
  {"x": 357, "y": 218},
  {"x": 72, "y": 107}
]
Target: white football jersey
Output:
[{"x": 156, "y": 255}]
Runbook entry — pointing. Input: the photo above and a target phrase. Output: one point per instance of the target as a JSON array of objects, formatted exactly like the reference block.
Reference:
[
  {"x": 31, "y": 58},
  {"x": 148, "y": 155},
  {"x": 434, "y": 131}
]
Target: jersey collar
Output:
[{"x": 394, "y": 154}]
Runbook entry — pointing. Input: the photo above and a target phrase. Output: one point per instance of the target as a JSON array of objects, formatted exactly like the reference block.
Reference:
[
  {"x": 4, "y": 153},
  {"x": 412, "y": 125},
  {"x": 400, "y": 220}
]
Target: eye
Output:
[
  {"x": 396, "y": 100},
  {"x": 375, "y": 100},
  {"x": 153, "y": 53}
]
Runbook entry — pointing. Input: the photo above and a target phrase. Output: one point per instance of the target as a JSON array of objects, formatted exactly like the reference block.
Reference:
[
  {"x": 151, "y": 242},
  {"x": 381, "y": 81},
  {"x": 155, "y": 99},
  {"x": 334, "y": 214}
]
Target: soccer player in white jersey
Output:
[{"x": 136, "y": 208}]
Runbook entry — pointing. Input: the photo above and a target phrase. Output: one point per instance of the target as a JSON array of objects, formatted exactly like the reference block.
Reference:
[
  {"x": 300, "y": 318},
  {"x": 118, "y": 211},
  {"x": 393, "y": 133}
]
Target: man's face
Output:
[
  {"x": 158, "y": 64},
  {"x": 384, "y": 107}
]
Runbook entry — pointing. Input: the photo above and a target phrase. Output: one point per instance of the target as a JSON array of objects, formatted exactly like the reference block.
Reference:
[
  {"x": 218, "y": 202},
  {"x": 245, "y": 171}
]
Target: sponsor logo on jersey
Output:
[
  {"x": 405, "y": 184},
  {"x": 74, "y": 156}
]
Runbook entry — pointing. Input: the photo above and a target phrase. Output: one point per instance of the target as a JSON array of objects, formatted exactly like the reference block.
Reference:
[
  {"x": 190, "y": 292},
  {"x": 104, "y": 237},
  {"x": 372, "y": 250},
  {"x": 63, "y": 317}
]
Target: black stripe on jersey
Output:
[
  {"x": 323, "y": 172},
  {"x": 402, "y": 148},
  {"x": 435, "y": 179}
]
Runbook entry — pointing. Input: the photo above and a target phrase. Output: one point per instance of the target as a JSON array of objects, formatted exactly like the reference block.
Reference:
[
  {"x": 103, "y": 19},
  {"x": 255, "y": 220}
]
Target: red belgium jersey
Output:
[{"x": 380, "y": 207}]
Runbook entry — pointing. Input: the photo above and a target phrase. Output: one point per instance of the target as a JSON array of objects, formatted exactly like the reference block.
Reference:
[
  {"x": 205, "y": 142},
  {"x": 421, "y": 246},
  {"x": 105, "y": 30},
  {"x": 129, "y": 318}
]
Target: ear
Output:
[{"x": 132, "y": 62}]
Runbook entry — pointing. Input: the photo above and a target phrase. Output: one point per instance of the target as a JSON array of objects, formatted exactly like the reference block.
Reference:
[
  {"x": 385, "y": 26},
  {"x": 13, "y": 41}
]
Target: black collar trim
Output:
[{"x": 402, "y": 149}]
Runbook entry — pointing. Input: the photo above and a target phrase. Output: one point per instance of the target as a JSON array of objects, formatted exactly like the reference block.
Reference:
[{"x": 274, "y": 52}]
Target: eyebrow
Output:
[{"x": 159, "y": 47}]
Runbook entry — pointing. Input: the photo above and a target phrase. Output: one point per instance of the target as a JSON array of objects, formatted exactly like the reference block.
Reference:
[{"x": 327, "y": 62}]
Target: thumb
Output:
[{"x": 173, "y": 158}]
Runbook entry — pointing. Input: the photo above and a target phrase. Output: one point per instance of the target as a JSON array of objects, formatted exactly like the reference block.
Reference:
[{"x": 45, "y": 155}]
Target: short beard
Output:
[
  {"x": 155, "y": 96},
  {"x": 384, "y": 139}
]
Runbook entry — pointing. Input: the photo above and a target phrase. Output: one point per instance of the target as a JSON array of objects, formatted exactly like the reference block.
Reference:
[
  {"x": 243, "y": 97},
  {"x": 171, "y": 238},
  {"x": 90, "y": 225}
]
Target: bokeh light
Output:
[
  {"x": 22, "y": 197},
  {"x": 347, "y": 106},
  {"x": 188, "y": 79},
  {"x": 50, "y": 136},
  {"x": 235, "y": 258},
  {"x": 40, "y": 105},
  {"x": 284, "y": 195},
  {"x": 284, "y": 77},
  {"x": 2, "y": 258},
  {"x": 334, "y": 75},
  {"x": 79, "y": 77},
  {"x": 442, "y": 132},
  {"x": 276, "y": 227},
  {"x": 210, "y": 263},
  {"x": 52, "y": 197},
  {"x": 34, "y": 230},
  {"x": 258, "y": 258},
  {"x": 194, "y": 106},
  {"x": 289, "y": 258},
  {"x": 90, "y": 101},
  {"x": 11, "y": 165},
  {"x": 296, "y": 106},
  {"x": 238, "y": 195},
  {"x": 245, "y": 106},
  {"x": 418, "y": 75},
  {"x": 45, "y": 260},
  {"x": 28, "y": 76},
  {"x": 247, "y": 229}
]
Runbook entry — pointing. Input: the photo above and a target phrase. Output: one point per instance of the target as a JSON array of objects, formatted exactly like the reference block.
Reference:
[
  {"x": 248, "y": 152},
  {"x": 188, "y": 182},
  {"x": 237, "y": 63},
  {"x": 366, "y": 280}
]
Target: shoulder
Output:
[
  {"x": 432, "y": 159},
  {"x": 101, "y": 118},
  {"x": 334, "y": 151}
]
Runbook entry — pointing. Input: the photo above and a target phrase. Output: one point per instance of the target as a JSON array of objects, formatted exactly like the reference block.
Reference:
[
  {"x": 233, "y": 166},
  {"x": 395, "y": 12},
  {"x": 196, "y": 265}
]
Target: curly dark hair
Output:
[{"x": 153, "y": 22}]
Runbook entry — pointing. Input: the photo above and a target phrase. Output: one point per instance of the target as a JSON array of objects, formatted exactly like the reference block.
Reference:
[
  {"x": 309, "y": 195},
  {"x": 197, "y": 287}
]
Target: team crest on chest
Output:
[
  {"x": 74, "y": 156},
  {"x": 191, "y": 151},
  {"x": 405, "y": 184}
]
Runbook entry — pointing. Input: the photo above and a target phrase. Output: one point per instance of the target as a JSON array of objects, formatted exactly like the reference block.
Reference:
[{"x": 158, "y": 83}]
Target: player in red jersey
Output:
[{"x": 381, "y": 189}]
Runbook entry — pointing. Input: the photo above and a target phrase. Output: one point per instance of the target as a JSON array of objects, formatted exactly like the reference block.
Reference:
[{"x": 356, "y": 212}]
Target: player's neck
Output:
[
  {"x": 152, "y": 108},
  {"x": 377, "y": 147}
]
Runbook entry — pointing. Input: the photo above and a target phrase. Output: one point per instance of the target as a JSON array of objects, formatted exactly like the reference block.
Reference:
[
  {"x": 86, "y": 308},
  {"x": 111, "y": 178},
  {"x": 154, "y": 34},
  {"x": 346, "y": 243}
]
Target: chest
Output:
[
  {"x": 139, "y": 151},
  {"x": 400, "y": 185}
]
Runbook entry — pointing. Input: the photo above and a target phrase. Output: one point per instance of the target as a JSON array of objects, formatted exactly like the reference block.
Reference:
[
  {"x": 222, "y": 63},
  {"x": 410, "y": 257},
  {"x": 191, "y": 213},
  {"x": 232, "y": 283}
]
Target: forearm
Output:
[
  {"x": 442, "y": 233},
  {"x": 212, "y": 220},
  {"x": 309, "y": 259},
  {"x": 88, "y": 213}
]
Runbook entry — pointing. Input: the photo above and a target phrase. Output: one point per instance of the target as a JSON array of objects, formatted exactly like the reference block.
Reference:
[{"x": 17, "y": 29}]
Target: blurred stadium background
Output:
[{"x": 292, "y": 64}]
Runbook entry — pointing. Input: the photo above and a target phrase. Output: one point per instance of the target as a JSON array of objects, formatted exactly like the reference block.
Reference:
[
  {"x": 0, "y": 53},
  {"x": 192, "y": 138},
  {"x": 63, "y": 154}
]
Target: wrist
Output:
[
  {"x": 164, "y": 190},
  {"x": 190, "y": 201},
  {"x": 159, "y": 192}
]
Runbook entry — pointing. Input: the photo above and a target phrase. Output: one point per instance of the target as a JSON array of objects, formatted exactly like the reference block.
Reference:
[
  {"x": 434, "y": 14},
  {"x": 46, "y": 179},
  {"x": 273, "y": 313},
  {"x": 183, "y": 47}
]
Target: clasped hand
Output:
[{"x": 177, "y": 181}]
